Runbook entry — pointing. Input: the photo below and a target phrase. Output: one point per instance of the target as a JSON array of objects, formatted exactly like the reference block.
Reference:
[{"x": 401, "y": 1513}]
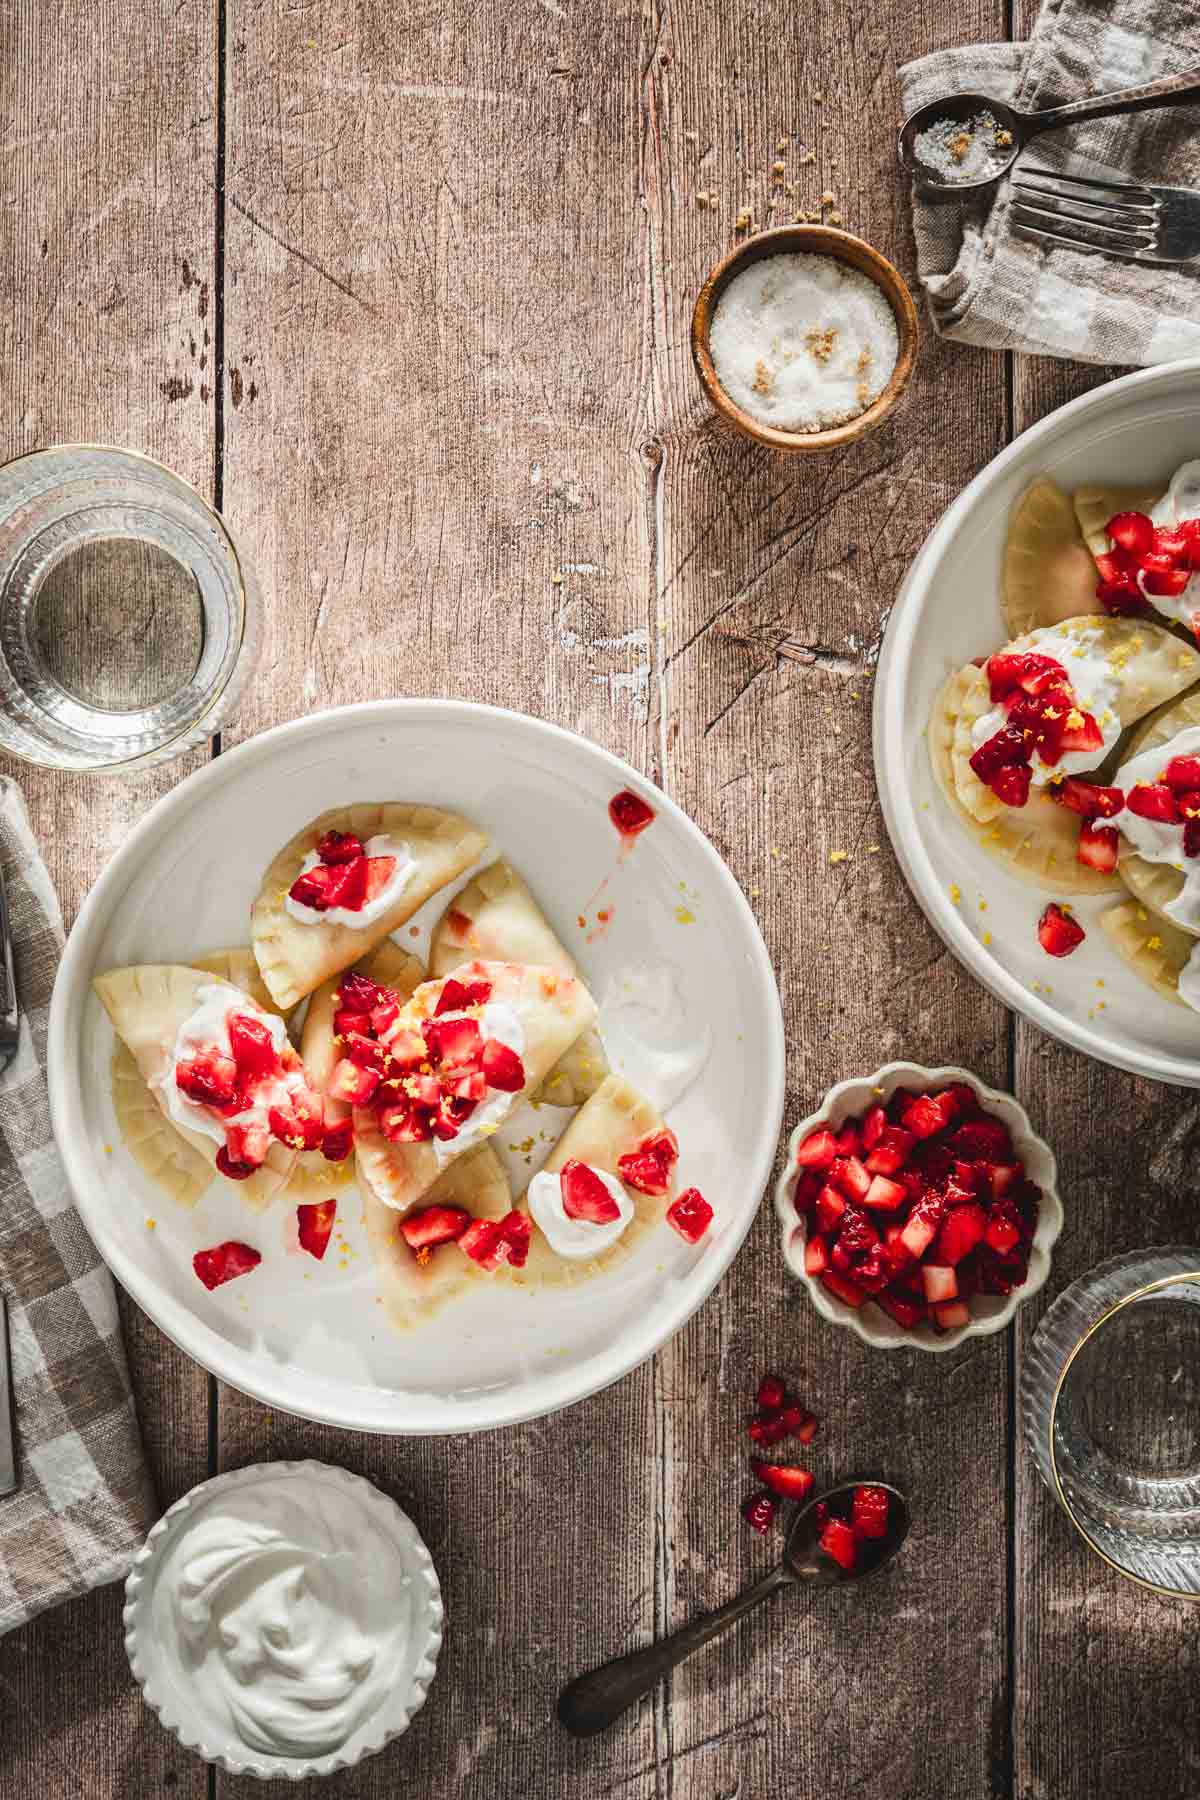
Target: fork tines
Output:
[{"x": 1085, "y": 213}]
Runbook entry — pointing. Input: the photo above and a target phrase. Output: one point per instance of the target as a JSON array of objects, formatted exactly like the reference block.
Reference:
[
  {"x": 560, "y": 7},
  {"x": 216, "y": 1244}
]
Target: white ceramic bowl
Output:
[
  {"x": 309, "y": 1338},
  {"x": 180, "y": 1705},
  {"x": 989, "y": 1312},
  {"x": 1138, "y": 429}
]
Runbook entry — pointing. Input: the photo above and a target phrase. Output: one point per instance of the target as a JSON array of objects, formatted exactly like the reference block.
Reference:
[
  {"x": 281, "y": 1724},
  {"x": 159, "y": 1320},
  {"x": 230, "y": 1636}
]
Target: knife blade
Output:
[{"x": 8, "y": 1447}]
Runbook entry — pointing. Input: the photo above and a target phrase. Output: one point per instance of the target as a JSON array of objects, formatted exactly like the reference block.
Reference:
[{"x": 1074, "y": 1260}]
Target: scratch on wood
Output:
[{"x": 309, "y": 262}]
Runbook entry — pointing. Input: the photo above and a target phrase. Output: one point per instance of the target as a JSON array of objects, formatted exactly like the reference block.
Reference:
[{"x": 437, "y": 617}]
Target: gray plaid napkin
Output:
[
  {"x": 84, "y": 1503},
  {"x": 985, "y": 284}
]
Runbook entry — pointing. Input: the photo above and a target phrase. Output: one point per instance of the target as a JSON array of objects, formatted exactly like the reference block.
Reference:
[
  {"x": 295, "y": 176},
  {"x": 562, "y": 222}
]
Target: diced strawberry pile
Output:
[
  {"x": 344, "y": 876},
  {"x": 488, "y": 1242},
  {"x": 917, "y": 1206},
  {"x": 230, "y": 1086},
  {"x": 423, "y": 1079},
  {"x": 1145, "y": 559},
  {"x": 777, "y": 1417},
  {"x": 1043, "y": 718},
  {"x": 851, "y": 1521}
]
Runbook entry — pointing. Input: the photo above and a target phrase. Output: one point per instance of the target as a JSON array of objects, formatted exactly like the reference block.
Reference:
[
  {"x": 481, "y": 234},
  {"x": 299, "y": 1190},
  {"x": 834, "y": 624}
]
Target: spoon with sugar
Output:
[
  {"x": 594, "y": 1701},
  {"x": 965, "y": 141}
]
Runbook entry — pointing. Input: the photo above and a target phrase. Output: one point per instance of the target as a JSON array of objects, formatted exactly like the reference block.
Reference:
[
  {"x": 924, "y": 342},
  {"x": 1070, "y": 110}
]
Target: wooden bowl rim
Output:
[{"x": 822, "y": 240}]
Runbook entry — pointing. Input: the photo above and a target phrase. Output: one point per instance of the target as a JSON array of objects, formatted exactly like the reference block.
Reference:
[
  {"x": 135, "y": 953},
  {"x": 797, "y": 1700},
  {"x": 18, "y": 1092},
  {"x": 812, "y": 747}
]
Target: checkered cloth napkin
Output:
[
  {"x": 987, "y": 285},
  {"x": 84, "y": 1503}
]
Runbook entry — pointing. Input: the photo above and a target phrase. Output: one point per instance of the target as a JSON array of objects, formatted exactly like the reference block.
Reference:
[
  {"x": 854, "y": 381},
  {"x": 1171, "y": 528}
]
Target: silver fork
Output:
[{"x": 1110, "y": 218}]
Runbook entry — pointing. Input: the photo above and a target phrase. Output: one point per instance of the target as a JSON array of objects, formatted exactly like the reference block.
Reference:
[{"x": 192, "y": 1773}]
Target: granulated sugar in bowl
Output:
[{"x": 802, "y": 341}]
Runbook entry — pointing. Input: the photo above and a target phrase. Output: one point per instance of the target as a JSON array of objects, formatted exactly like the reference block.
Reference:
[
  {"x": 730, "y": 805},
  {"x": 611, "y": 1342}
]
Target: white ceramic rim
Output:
[
  {"x": 192, "y": 1335},
  {"x": 391, "y": 1720},
  {"x": 878, "y": 1330},
  {"x": 891, "y": 712}
]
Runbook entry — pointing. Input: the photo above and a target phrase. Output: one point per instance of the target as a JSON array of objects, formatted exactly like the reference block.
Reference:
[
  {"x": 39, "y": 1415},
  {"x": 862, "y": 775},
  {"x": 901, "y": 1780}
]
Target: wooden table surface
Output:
[{"x": 405, "y": 289}]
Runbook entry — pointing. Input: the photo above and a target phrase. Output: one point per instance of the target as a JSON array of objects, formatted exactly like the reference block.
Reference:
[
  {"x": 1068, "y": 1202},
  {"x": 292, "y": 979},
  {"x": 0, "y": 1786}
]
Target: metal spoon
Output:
[
  {"x": 1015, "y": 129},
  {"x": 592, "y": 1702}
]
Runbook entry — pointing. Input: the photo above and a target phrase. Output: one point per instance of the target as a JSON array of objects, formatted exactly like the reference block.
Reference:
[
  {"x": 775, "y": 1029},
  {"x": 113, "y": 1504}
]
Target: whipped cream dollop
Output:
[
  {"x": 1084, "y": 657},
  {"x": 502, "y": 1021},
  {"x": 1189, "y": 981},
  {"x": 207, "y": 1029},
  {"x": 366, "y": 915},
  {"x": 576, "y": 1239},
  {"x": 648, "y": 1033},
  {"x": 1181, "y": 501},
  {"x": 288, "y": 1609},
  {"x": 1154, "y": 839}
]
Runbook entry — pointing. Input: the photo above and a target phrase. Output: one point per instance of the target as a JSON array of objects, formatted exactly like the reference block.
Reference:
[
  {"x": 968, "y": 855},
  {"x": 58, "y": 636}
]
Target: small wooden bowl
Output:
[{"x": 820, "y": 240}]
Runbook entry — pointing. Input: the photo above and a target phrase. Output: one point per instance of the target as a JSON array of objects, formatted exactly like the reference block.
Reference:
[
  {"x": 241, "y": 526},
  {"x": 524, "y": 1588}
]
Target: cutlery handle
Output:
[
  {"x": 1168, "y": 90},
  {"x": 592, "y": 1702}
]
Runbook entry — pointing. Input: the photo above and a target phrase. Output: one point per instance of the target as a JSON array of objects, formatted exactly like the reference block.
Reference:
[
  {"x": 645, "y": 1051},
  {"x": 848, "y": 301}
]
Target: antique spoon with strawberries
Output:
[{"x": 836, "y": 1539}]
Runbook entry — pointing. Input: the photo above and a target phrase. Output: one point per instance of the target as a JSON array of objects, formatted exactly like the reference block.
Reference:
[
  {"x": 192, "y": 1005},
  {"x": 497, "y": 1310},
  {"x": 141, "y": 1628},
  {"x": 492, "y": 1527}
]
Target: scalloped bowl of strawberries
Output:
[{"x": 919, "y": 1207}]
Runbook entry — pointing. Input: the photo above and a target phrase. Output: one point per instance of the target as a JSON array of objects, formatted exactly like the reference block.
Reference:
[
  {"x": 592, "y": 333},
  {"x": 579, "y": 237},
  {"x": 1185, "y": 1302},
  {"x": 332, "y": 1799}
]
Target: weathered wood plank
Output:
[
  {"x": 773, "y": 759},
  {"x": 106, "y": 156},
  {"x": 1101, "y": 1708},
  {"x": 436, "y": 342}
]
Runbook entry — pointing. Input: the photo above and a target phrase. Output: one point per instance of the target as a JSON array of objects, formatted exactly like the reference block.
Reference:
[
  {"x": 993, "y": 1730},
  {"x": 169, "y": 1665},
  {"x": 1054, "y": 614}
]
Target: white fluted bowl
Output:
[
  {"x": 177, "y": 1705},
  {"x": 989, "y": 1312}
]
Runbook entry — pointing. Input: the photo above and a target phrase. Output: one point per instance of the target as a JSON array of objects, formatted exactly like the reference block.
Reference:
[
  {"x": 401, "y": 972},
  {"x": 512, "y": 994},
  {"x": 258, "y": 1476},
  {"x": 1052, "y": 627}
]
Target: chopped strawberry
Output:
[
  {"x": 314, "y": 1224},
  {"x": 1099, "y": 847},
  {"x": 951, "y": 1314},
  {"x": 1002, "y": 1175},
  {"x": 345, "y": 884},
  {"x": 1161, "y": 577},
  {"x": 1191, "y": 838},
  {"x": 434, "y": 1225},
  {"x": 1058, "y": 933},
  {"x": 311, "y": 888},
  {"x": 892, "y": 1150},
  {"x": 800, "y": 1424},
  {"x": 1004, "y": 748},
  {"x": 232, "y": 1167},
  {"x": 479, "y": 1242},
  {"x": 352, "y": 1084},
  {"x": 771, "y": 1392},
  {"x": 837, "y": 1539},
  {"x": 940, "y": 1282},
  {"x": 691, "y": 1215},
  {"x": 1032, "y": 673},
  {"x": 450, "y": 1117},
  {"x": 339, "y": 847},
  {"x": 1086, "y": 735},
  {"x": 906, "y": 1312},
  {"x": 884, "y": 1195},
  {"x": 759, "y": 1511},
  {"x": 816, "y": 1256},
  {"x": 804, "y": 1193},
  {"x": 378, "y": 871},
  {"x": 516, "y": 1234},
  {"x": 1132, "y": 531},
  {"x": 851, "y": 1177},
  {"x": 406, "y": 1049},
  {"x": 453, "y": 1043},
  {"x": 1088, "y": 798},
  {"x": 404, "y": 1123},
  {"x": 296, "y": 1127},
  {"x": 961, "y": 1230},
  {"x": 922, "y": 1224},
  {"x": 648, "y": 1169},
  {"x": 929, "y": 1114},
  {"x": 1011, "y": 784},
  {"x": 784, "y": 1479},
  {"x": 457, "y": 996},
  {"x": 366, "y": 1053},
  {"x": 502, "y": 1067},
  {"x": 630, "y": 813},
  {"x": 1183, "y": 773},
  {"x": 874, "y": 1126},
  {"x": 818, "y": 1150},
  {"x": 830, "y": 1207},
  {"x": 338, "y": 1141},
  {"x": 247, "y": 1143},
  {"x": 584, "y": 1195},
  {"x": 768, "y": 1428},
  {"x": 472, "y": 1084},
  {"x": 1122, "y": 598},
  {"x": 345, "y": 1021},
  {"x": 869, "y": 1511},
  {"x": 982, "y": 1140},
  {"x": 383, "y": 1017},
  {"x": 210, "y": 1079},
  {"x": 225, "y": 1262},
  {"x": 362, "y": 995},
  {"x": 857, "y": 1235},
  {"x": 849, "y": 1142},
  {"x": 1153, "y": 801},
  {"x": 843, "y": 1287},
  {"x": 253, "y": 1046}
]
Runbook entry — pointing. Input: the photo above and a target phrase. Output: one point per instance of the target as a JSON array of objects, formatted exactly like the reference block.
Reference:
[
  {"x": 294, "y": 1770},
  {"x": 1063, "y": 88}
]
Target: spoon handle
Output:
[
  {"x": 1168, "y": 90},
  {"x": 591, "y": 1702}
]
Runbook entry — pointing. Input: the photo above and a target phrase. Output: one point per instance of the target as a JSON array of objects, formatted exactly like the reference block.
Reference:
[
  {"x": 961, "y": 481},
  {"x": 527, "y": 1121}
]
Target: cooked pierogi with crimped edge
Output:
[
  {"x": 415, "y": 850},
  {"x": 496, "y": 917},
  {"x": 149, "y": 1006},
  {"x": 616, "y": 1122},
  {"x": 1159, "y": 885},
  {"x": 160, "y": 1152},
  {"x": 1167, "y": 959},
  {"x": 415, "y": 1286},
  {"x": 1049, "y": 573},
  {"x": 507, "y": 1022},
  {"x": 315, "y": 1175}
]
